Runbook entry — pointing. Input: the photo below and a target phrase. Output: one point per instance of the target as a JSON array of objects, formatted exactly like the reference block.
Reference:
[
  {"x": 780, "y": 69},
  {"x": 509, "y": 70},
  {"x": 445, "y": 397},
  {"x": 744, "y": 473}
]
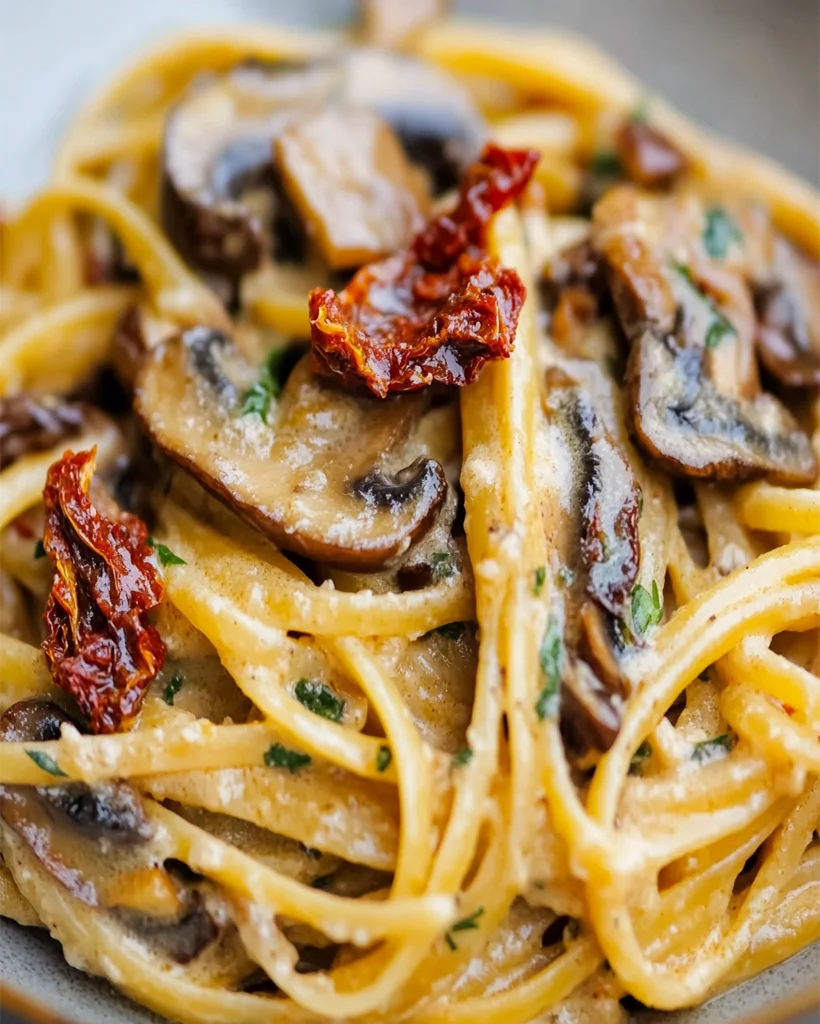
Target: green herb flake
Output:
[
  {"x": 442, "y": 565},
  {"x": 322, "y": 882},
  {"x": 277, "y": 756},
  {"x": 647, "y": 609},
  {"x": 259, "y": 396},
  {"x": 565, "y": 576},
  {"x": 643, "y": 753},
  {"x": 46, "y": 762},
  {"x": 719, "y": 232},
  {"x": 462, "y": 757},
  {"x": 713, "y": 749},
  {"x": 606, "y": 164},
  {"x": 165, "y": 555},
  {"x": 319, "y": 699},
  {"x": 540, "y": 579},
  {"x": 383, "y": 758},
  {"x": 551, "y": 658},
  {"x": 466, "y": 924},
  {"x": 39, "y": 550},
  {"x": 640, "y": 112},
  {"x": 719, "y": 327},
  {"x": 175, "y": 684}
]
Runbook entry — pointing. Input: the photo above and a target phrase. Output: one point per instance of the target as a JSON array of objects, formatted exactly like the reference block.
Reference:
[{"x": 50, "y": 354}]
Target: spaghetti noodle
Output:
[{"x": 478, "y": 702}]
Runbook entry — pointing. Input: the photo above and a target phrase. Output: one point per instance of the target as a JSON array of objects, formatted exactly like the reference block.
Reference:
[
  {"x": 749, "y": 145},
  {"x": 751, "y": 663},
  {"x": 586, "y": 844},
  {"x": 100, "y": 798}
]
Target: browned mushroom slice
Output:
[
  {"x": 52, "y": 820},
  {"x": 695, "y": 397},
  {"x": 340, "y": 495},
  {"x": 788, "y": 310},
  {"x": 680, "y": 419},
  {"x": 222, "y": 202},
  {"x": 604, "y": 494},
  {"x": 219, "y": 196},
  {"x": 432, "y": 114},
  {"x": 648, "y": 157},
  {"x": 65, "y": 832},
  {"x": 34, "y": 423},
  {"x": 352, "y": 184},
  {"x": 590, "y": 711}
]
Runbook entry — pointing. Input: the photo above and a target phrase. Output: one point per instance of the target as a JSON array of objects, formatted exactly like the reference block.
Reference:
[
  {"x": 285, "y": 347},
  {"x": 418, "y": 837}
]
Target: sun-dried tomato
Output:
[
  {"x": 100, "y": 646},
  {"x": 436, "y": 311}
]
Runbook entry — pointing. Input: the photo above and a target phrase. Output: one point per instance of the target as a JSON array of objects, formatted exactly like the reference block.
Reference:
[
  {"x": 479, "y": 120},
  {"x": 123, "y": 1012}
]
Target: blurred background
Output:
[{"x": 749, "y": 68}]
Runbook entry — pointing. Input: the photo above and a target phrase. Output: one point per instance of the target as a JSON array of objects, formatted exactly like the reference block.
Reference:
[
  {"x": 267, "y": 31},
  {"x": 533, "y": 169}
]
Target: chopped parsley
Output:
[
  {"x": 319, "y": 699},
  {"x": 175, "y": 684},
  {"x": 165, "y": 555},
  {"x": 442, "y": 565},
  {"x": 383, "y": 759},
  {"x": 643, "y": 753},
  {"x": 259, "y": 396},
  {"x": 719, "y": 327},
  {"x": 565, "y": 576},
  {"x": 466, "y": 924},
  {"x": 720, "y": 231},
  {"x": 277, "y": 756},
  {"x": 46, "y": 762},
  {"x": 606, "y": 164},
  {"x": 551, "y": 658},
  {"x": 462, "y": 757},
  {"x": 540, "y": 578},
  {"x": 713, "y": 749},
  {"x": 39, "y": 550},
  {"x": 647, "y": 609}
]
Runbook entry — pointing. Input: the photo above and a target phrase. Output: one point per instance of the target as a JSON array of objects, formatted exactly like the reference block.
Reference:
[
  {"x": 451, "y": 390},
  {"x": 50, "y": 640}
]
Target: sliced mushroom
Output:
[
  {"x": 590, "y": 712},
  {"x": 788, "y": 311},
  {"x": 352, "y": 184},
  {"x": 682, "y": 420},
  {"x": 695, "y": 400},
  {"x": 603, "y": 494},
  {"x": 222, "y": 201},
  {"x": 64, "y": 833},
  {"x": 337, "y": 496},
  {"x": 599, "y": 548},
  {"x": 57, "y": 822},
  {"x": 648, "y": 157},
  {"x": 219, "y": 194},
  {"x": 432, "y": 114},
  {"x": 30, "y": 423}
]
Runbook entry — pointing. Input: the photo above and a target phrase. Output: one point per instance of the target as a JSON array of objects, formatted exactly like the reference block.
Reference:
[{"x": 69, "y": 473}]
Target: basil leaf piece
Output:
[
  {"x": 46, "y": 762},
  {"x": 319, "y": 699},
  {"x": 647, "y": 609},
  {"x": 551, "y": 658},
  {"x": 277, "y": 756},
  {"x": 719, "y": 232},
  {"x": 165, "y": 555},
  {"x": 175, "y": 684}
]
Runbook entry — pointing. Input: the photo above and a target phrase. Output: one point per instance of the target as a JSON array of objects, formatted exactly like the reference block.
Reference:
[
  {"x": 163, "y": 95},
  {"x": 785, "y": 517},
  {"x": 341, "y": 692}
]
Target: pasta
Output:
[{"x": 494, "y": 697}]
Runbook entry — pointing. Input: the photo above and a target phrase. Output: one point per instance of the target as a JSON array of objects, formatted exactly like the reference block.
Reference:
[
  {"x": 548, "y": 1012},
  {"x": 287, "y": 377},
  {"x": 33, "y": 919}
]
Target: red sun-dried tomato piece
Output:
[
  {"x": 436, "y": 311},
  {"x": 100, "y": 646}
]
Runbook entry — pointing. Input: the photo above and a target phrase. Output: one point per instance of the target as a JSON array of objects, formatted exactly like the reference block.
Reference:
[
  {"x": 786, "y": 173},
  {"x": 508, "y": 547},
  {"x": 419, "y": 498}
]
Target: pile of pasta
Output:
[{"x": 360, "y": 803}]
